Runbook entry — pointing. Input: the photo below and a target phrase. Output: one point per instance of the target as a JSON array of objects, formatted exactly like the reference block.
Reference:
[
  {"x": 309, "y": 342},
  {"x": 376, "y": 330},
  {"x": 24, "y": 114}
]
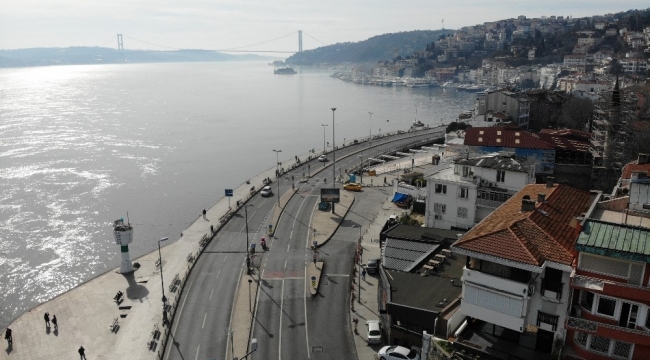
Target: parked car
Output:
[
  {"x": 397, "y": 353},
  {"x": 373, "y": 328},
  {"x": 372, "y": 266},
  {"x": 352, "y": 187},
  {"x": 266, "y": 191},
  {"x": 322, "y": 158}
]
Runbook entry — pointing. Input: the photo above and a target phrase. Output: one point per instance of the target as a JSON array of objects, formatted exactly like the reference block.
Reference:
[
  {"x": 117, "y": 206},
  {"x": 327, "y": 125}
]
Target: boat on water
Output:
[{"x": 285, "y": 71}]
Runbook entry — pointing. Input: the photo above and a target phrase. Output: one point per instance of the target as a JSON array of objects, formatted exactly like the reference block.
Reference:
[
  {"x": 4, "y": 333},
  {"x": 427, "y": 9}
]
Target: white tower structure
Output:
[{"x": 123, "y": 233}]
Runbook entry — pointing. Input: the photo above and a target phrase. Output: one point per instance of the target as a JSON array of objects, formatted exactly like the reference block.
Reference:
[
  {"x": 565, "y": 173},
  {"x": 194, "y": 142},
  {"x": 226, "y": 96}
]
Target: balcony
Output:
[
  {"x": 499, "y": 284},
  {"x": 612, "y": 288},
  {"x": 488, "y": 203},
  {"x": 609, "y": 331},
  {"x": 551, "y": 289}
]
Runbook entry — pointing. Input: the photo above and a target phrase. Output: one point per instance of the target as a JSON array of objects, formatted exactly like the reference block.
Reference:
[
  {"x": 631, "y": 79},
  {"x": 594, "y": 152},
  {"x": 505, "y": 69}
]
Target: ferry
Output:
[{"x": 285, "y": 71}]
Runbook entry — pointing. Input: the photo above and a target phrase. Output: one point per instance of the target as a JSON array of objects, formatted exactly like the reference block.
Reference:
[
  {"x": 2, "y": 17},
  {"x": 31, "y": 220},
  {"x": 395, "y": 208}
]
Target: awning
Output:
[{"x": 399, "y": 197}]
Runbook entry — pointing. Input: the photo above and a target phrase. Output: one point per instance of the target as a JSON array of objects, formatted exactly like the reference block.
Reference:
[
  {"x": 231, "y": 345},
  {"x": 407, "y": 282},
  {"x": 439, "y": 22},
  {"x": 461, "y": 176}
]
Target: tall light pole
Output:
[
  {"x": 370, "y": 130},
  {"x": 277, "y": 165},
  {"x": 324, "y": 126},
  {"x": 248, "y": 258},
  {"x": 333, "y": 156},
  {"x": 360, "y": 261},
  {"x": 162, "y": 283}
]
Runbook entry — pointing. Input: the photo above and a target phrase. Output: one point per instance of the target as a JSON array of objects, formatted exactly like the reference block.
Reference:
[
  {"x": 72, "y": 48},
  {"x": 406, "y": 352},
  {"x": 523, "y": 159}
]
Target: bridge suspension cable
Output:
[{"x": 315, "y": 38}]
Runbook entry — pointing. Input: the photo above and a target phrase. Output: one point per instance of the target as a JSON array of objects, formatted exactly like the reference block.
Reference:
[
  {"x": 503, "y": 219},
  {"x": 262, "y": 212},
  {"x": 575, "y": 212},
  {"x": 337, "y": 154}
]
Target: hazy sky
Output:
[{"x": 228, "y": 24}]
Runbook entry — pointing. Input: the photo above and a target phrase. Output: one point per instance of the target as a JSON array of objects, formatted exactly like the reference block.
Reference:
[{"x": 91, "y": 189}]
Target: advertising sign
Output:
[{"x": 330, "y": 195}]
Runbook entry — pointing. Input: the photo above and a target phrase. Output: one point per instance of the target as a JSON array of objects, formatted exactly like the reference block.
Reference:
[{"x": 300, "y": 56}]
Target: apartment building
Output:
[
  {"x": 519, "y": 262},
  {"x": 610, "y": 313},
  {"x": 467, "y": 192}
]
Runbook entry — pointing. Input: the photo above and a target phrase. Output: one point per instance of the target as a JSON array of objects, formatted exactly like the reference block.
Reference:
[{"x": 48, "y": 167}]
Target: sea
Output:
[{"x": 82, "y": 146}]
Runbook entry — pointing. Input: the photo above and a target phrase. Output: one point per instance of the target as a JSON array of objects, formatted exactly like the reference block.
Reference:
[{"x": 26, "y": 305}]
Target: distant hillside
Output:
[
  {"x": 376, "y": 48},
  {"x": 99, "y": 55}
]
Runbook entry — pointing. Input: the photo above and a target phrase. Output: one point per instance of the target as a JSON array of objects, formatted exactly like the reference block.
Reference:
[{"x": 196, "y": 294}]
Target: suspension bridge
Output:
[{"x": 240, "y": 49}]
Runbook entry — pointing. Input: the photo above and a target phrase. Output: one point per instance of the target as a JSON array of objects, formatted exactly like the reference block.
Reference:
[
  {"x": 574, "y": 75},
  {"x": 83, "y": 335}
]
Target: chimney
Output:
[
  {"x": 527, "y": 205},
  {"x": 643, "y": 158},
  {"x": 541, "y": 198},
  {"x": 550, "y": 181}
]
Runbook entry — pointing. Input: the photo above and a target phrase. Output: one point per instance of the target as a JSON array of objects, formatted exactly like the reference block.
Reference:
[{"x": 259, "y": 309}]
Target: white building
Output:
[
  {"x": 519, "y": 262},
  {"x": 467, "y": 192}
]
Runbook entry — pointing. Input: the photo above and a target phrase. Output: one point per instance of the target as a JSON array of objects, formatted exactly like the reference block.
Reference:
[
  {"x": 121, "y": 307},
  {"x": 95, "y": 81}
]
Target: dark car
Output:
[{"x": 372, "y": 266}]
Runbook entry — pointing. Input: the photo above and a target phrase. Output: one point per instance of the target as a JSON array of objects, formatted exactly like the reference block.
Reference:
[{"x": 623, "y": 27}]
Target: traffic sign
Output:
[
  {"x": 229, "y": 192},
  {"x": 313, "y": 278}
]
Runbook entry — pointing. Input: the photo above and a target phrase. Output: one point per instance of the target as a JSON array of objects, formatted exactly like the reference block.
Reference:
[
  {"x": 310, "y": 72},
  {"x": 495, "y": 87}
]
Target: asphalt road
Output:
[{"x": 289, "y": 324}]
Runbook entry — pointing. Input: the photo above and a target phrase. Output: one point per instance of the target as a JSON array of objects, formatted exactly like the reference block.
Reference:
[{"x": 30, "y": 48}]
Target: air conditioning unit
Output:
[{"x": 438, "y": 217}]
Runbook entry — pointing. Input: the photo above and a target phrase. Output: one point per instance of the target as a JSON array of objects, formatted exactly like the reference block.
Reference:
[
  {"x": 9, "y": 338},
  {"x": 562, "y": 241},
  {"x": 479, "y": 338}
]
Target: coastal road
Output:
[{"x": 201, "y": 328}]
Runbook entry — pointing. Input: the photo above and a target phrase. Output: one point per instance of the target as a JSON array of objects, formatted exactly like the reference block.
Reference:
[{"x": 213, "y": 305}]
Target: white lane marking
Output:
[
  {"x": 305, "y": 303},
  {"x": 308, "y": 246},
  {"x": 293, "y": 226},
  {"x": 225, "y": 257},
  {"x": 285, "y": 264},
  {"x": 179, "y": 316},
  {"x": 257, "y": 299},
  {"x": 204, "y": 317},
  {"x": 197, "y": 352},
  {"x": 285, "y": 278},
  {"x": 232, "y": 309},
  {"x": 211, "y": 295},
  {"x": 280, "y": 337}
]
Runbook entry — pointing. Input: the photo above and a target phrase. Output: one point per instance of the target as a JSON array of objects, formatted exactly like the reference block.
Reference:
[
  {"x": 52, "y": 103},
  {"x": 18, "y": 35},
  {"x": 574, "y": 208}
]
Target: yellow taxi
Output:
[{"x": 352, "y": 187}]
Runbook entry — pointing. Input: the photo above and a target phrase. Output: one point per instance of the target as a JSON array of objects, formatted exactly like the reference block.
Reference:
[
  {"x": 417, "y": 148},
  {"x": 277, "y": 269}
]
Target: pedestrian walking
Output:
[
  {"x": 46, "y": 317},
  {"x": 8, "y": 336},
  {"x": 56, "y": 326},
  {"x": 82, "y": 353},
  {"x": 363, "y": 274},
  {"x": 356, "y": 322},
  {"x": 204, "y": 212}
]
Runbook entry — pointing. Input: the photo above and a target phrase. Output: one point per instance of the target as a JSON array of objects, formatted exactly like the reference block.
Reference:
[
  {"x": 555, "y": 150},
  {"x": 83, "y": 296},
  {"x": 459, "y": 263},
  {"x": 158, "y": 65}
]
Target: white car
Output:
[
  {"x": 266, "y": 191},
  {"x": 397, "y": 353},
  {"x": 322, "y": 158},
  {"x": 373, "y": 328}
]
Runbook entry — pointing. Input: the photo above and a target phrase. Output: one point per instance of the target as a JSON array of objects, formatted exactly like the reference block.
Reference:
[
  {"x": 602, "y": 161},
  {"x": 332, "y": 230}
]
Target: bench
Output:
[
  {"x": 446, "y": 252},
  {"x": 440, "y": 257}
]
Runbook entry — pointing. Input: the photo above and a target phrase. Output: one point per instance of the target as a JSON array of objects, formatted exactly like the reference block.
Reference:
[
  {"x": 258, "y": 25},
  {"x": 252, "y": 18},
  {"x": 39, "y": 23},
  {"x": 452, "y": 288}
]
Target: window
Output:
[
  {"x": 467, "y": 171},
  {"x": 439, "y": 208},
  {"x": 599, "y": 344},
  {"x": 441, "y": 189},
  {"x": 606, "y": 306},
  {"x": 587, "y": 300},
  {"x": 543, "y": 317},
  {"x": 501, "y": 175},
  {"x": 464, "y": 193},
  {"x": 462, "y": 212},
  {"x": 647, "y": 320}
]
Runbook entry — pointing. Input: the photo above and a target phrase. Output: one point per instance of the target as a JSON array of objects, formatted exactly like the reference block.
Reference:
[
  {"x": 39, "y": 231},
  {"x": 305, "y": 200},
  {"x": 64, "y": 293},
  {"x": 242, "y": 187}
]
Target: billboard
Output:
[{"x": 330, "y": 195}]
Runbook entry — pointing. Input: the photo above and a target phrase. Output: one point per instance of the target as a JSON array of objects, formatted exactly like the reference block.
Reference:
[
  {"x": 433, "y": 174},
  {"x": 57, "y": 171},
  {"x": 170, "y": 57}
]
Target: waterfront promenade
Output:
[{"x": 88, "y": 316}]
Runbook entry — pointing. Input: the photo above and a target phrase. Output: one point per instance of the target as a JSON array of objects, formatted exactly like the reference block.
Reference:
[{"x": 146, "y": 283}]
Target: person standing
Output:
[
  {"x": 363, "y": 274},
  {"x": 204, "y": 213},
  {"x": 46, "y": 317},
  {"x": 82, "y": 353},
  {"x": 8, "y": 336},
  {"x": 56, "y": 326}
]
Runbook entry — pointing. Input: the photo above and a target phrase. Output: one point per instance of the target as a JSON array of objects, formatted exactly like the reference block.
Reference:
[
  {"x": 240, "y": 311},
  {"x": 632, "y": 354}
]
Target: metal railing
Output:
[
  {"x": 574, "y": 323},
  {"x": 599, "y": 284},
  {"x": 488, "y": 203}
]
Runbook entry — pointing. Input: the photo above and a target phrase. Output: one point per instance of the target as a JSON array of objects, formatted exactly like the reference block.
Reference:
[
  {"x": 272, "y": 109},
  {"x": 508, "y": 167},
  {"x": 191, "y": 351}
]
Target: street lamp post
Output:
[
  {"x": 162, "y": 283},
  {"x": 360, "y": 261},
  {"x": 277, "y": 170},
  {"x": 250, "y": 308},
  {"x": 361, "y": 168},
  {"x": 248, "y": 258},
  {"x": 370, "y": 130},
  {"x": 324, "y": 126},
  {"x": 333, "y": 156}
]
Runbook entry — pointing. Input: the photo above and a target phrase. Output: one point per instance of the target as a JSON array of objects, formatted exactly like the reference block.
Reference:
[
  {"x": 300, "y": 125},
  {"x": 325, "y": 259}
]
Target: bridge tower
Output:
[
  {"x": 299, "y": 41},
  {"x": 120, "y": 45}
]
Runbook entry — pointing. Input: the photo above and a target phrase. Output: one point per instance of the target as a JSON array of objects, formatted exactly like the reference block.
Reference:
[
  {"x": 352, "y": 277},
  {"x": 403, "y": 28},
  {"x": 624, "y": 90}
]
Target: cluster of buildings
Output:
[
  {"x": 507, "y": 268},
  {"x": 591, "y": 55}
]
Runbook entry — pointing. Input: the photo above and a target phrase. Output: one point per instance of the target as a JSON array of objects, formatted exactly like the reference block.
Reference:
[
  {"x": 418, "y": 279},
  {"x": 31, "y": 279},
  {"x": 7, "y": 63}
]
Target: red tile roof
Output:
[
  {"x": 531, "y": 237},
  {"x": 565, "y": 142},
  {"x": 633, "y": 166},
  {"x": 506, "y": 136}
]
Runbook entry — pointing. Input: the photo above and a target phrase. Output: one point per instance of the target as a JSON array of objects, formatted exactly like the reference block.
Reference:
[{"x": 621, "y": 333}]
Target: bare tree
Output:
[{"x": 576, "y": 112}]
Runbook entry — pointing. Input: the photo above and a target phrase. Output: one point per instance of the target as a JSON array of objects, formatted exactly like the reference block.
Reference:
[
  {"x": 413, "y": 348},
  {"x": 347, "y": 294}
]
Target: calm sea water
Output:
[{"x": 80, "y": 146}]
